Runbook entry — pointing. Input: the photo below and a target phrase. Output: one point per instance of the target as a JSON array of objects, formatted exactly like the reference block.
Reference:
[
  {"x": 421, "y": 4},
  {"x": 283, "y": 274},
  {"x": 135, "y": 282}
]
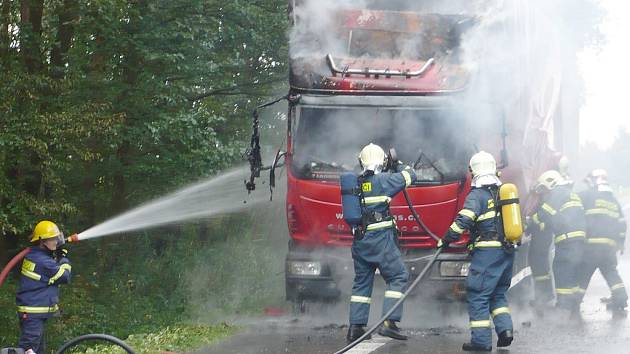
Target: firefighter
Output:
[
  {"x": 606, "y": 234},
  {"x": 539, "y": 260},
  {"x": 43, "y": 269},
  {"x": 490, "y": 270},
  {"x": 375, "y": 243},
  {"x": 563, "y": 213}
]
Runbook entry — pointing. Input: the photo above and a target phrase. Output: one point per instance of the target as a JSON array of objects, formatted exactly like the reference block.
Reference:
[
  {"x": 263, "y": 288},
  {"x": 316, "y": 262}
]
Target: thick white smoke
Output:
[{"x": 521, "y": 56}]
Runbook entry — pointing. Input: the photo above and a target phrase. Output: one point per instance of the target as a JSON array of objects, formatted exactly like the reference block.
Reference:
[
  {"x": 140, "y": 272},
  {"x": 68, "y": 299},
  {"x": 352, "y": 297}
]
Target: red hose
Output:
[{"x": 18, "y": 257}]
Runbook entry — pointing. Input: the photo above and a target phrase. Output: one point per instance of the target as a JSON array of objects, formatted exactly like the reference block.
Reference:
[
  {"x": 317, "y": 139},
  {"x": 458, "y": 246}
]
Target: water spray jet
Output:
[{"x": 214, "y": 196}]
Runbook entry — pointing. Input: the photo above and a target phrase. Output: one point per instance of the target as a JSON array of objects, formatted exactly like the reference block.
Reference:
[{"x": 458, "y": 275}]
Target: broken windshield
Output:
[{"x": 328, "y": 140}]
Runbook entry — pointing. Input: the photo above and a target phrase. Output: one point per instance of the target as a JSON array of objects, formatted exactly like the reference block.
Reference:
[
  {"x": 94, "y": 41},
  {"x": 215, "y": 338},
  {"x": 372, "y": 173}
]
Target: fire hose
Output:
[
  {"x": 398, "y": 303},
  {"x": 104, "y": 337},
  {"x": 7, "y": 269},
  {"x": 410, "y": 288}
]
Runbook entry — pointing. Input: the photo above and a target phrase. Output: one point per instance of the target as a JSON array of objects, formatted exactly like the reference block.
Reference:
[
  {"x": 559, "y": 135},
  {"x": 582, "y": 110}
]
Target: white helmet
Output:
[
  {"x": 549, "y": 180},
  {"x": 598, "y": 178},
  {"x": 563, "y": 166},
  {"x": 372, "y": 157},
  {"x": 482, "y": 164}
]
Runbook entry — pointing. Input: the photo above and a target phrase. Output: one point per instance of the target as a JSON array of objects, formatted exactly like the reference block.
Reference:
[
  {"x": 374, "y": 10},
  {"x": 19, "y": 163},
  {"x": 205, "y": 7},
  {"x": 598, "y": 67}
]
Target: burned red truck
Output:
[{"x": 394, "y": 78}]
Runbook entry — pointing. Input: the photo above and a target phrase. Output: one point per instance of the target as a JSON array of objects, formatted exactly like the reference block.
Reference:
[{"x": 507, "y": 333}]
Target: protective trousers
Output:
[
  {"x": 539, "y": 261},
  {"x": 566, "y": 262},
  {"x": 604, "y": 258},
  {"x": 32, "y": 333},
  {"x": 486, "y": 285},
  {"x": 377, "y": 249}
]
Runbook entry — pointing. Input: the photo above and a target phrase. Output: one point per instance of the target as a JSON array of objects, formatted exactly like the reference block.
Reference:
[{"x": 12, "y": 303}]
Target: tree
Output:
[{"x": 107, "y": 104}]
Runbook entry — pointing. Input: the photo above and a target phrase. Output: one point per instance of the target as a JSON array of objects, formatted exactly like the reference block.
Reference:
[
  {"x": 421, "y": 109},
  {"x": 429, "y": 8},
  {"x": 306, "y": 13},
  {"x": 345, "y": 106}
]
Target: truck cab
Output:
[
  {"x": 394, "y": 81},
  {"x": 327, "y": 132}
]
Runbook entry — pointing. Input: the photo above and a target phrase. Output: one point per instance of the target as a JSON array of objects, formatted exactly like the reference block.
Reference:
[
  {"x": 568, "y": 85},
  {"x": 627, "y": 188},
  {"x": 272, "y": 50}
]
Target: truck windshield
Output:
[{"x": 327, "y": 141}]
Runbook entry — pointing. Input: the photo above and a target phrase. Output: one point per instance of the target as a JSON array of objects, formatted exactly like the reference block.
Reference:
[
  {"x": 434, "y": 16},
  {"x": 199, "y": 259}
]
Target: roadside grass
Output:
[{"x": 178, "y": 338}]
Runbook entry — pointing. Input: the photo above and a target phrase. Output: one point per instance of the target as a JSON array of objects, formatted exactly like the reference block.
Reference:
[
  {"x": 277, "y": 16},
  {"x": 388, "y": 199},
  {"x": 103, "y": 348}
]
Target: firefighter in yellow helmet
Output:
[{"x": 43, "y": 269}]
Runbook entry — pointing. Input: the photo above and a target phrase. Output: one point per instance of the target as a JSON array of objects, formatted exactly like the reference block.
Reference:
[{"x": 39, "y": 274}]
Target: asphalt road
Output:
[{"x": 431, "y": 331}]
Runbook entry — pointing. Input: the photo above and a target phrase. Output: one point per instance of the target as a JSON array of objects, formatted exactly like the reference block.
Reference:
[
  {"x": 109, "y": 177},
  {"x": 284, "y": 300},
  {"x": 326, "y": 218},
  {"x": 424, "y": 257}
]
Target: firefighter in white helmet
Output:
[
  {"x": 492, "y": 259},
  {"x": 562, "y": 213},
  {"x": 605, "y": 235},
  {"x": 375, "y": 241}
]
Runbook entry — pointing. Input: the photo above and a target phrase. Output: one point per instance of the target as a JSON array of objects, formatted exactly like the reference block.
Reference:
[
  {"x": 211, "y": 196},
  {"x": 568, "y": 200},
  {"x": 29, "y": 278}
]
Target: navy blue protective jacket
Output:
[
  {"x": 563, "y": 213},
  {"x": 605, "y": 223},
  {"x": 479, "y": 216},
  {"x": 38, "y": 291},
  {"x": 378, "y": 190}
]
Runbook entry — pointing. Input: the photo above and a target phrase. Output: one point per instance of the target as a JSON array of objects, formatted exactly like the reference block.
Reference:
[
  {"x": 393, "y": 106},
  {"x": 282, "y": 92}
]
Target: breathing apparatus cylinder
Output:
[
  {"x": 350, "y": 198},
  {"x": 510, "y": 212}
]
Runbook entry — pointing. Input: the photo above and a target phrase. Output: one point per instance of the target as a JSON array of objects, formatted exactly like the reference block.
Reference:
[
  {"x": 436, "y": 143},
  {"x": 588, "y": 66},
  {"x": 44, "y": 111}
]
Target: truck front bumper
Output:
[{"x": 325, "y": 276}]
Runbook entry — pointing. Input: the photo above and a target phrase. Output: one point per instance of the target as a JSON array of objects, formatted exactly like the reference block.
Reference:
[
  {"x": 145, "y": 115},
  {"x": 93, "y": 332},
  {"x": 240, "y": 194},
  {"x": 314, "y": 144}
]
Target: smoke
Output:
[{"x": 520, "y": 56}]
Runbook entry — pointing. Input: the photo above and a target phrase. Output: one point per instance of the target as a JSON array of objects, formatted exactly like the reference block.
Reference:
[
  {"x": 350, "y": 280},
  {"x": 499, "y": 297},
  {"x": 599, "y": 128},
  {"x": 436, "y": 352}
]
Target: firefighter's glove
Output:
[
  {"x": 442, "y": 243},
  {"x": 400, "y": 166},
  {"x": 61, "y": 253}
]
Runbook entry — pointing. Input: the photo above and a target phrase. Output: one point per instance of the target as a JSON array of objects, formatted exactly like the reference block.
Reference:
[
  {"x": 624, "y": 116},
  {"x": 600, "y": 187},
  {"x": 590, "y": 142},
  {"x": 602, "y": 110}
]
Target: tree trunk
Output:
[
  {"x": 4, "y": 250},
  {"x": 5, "y": 39},
  {"x": 31, "y": 12},
  {"x": 66, "y": 13},
  {"x": 132, "y": 66},
  {"x": 119, "y": 200}
]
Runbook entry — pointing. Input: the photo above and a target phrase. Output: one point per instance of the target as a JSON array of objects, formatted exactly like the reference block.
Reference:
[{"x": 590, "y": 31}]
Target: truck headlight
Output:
[
  {"x": 304, "y": 268},
  {"x": 454, "y": 269}
]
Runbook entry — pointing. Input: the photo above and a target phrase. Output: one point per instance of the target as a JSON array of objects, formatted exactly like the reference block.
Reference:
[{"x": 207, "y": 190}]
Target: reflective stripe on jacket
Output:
[
  {"x": 378, "y": 191},
  {"x": 605, "y": 222},
  {"x": 562, "y": 213},
  {"x": 479, "y": 216}
]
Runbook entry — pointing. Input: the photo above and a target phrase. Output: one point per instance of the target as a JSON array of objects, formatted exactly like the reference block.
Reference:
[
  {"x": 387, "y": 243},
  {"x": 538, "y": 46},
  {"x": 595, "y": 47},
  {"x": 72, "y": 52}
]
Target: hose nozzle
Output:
[{"x": 73, "y": 238}]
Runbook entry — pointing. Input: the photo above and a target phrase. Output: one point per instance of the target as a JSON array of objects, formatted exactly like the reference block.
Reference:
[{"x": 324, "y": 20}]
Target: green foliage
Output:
[
  {"x": 114, "y": 102},
  {"x": 8, "y": 316}
]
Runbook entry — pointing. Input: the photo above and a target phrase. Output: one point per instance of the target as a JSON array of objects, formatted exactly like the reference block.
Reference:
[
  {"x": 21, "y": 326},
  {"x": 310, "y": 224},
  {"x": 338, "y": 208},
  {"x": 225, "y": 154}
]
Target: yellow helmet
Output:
[
  {"x": 372, "y": 157},
  {"x": 44, "y": 230}
]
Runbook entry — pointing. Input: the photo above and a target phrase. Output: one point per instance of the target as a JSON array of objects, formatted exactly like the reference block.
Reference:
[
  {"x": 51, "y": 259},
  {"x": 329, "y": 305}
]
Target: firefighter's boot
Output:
[
  {"x": 618, "y": 308},
  {"x": 389, "y": 329},
  {"x": 505, "y": 338},
  {"x": 471, "y": 347},
  {"x": 354, "y": 332}
]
